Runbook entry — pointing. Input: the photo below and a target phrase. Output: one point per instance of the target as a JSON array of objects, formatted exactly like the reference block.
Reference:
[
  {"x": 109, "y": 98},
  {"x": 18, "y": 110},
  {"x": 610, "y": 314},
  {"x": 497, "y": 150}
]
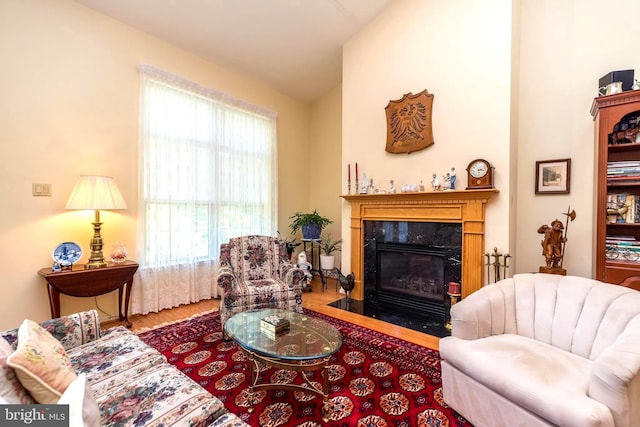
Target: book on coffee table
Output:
[{"x": 274, "y": 324}]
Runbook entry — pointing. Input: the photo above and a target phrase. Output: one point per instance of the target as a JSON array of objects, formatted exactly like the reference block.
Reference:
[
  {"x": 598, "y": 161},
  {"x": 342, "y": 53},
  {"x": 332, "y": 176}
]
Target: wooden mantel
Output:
[{"x": 462, "y": 206}]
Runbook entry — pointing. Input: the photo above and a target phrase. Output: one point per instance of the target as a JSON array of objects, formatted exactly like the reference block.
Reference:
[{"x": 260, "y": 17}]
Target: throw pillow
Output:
[
  {"x": 41, "y": 364},
  {"x": 83, "y": 408},
  {"x": 11, "y": 390}
]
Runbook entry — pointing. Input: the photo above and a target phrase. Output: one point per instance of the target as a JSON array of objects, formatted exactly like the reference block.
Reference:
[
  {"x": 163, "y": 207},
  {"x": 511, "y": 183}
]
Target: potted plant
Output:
[
  {"x": 311, "y": 224},
  {"x": 327, "y": 247},
  {"x": 289, "y": 243}
]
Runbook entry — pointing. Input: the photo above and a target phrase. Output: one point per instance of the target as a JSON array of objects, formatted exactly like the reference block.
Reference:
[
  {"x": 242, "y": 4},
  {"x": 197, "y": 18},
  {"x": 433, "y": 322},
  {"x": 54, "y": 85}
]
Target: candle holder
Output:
[
  {"x": 357, "y": 186},
  {"x": 349, "y": 187},
  {"x": 454, "y": 293}
]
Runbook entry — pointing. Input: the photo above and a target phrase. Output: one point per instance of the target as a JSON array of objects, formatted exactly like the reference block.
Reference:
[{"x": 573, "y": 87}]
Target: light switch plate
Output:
[{"x": 41, "y": 189}]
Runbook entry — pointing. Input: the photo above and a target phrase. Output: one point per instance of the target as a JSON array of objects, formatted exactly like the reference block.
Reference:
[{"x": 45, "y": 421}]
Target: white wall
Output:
[
  {"x": 326, "y": 159},
  {"x": 69, "y": 106},
  {"x": 460, "y": 52},
  {"x": 513, "y": 83},
  {"x": 566, "y": 47}
]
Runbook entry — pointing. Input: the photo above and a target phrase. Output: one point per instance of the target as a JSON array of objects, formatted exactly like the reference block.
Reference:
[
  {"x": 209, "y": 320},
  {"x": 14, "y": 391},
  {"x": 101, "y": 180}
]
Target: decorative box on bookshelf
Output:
[{"x": 623, "y": 208}]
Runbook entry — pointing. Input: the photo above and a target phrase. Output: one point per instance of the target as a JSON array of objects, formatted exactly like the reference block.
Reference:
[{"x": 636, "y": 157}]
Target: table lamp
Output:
[{"x": 96, "y": 193}]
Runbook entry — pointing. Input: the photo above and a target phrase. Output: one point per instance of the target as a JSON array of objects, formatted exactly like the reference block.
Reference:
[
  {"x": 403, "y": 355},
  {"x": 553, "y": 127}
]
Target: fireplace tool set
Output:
[{"x": 496, "y": 265}]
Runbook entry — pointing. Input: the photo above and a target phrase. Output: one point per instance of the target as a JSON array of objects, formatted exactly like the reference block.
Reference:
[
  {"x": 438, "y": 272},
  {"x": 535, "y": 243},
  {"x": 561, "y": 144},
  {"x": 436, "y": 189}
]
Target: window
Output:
[{"x": 207, "y": 171}]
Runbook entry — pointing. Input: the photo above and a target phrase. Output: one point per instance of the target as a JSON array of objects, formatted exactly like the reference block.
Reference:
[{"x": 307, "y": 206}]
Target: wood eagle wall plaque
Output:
[{"x": 409, "y": 123}]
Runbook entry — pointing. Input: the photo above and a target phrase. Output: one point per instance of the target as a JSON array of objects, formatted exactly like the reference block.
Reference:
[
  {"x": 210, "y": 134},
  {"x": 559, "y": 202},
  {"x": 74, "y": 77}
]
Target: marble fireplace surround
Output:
[{"x": 462, "y": 206}]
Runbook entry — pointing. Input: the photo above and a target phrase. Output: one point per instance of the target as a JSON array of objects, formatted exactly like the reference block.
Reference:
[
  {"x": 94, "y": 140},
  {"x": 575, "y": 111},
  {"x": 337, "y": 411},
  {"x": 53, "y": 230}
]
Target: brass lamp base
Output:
[
  {"x": 95, "y": 264},
  {"x": 96, "y": 260}
]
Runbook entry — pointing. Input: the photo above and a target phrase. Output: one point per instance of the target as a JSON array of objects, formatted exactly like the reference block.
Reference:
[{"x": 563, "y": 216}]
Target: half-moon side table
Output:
[{"x": 79, "y": 282}]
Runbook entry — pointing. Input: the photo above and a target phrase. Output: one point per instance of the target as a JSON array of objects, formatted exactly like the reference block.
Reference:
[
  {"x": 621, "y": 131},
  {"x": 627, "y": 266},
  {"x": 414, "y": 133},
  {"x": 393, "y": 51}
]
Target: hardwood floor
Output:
[{"x": 316, "y": 300}]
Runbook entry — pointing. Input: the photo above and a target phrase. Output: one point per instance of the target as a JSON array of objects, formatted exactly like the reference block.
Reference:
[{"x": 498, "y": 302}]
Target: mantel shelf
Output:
[{"x": 424, "y": 195}]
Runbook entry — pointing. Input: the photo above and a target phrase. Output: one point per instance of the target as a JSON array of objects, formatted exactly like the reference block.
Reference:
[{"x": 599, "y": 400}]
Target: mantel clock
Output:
[{"x": 479, "y": 175}]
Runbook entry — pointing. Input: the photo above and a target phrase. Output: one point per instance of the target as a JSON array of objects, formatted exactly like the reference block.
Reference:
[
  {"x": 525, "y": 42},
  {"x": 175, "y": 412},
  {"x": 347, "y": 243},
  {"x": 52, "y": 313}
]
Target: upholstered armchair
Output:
[
  {"x": 546, "y": 350},
  {"x": 254, "y": 273}
]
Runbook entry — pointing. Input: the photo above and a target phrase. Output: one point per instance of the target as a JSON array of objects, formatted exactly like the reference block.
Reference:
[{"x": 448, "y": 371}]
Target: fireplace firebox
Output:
[{"x": 407, "y": 266}]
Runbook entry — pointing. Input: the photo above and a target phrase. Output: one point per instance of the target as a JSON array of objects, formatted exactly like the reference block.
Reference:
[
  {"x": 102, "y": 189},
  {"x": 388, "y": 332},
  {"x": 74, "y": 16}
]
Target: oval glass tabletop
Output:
[{"x": 306, "y": 338}]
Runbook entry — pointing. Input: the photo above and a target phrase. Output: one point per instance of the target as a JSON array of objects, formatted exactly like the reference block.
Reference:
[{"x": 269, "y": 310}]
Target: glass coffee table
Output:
[{"x": 306, "y": 346}]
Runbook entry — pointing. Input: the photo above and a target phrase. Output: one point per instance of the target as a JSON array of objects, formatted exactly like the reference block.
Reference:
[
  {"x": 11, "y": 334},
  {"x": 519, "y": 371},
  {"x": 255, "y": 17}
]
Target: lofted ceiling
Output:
[{"x": 294, "y": 46}]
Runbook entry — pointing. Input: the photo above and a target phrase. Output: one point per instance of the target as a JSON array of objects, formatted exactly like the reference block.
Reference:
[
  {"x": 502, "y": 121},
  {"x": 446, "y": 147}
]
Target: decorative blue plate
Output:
[{"x": 67, "y": 253}]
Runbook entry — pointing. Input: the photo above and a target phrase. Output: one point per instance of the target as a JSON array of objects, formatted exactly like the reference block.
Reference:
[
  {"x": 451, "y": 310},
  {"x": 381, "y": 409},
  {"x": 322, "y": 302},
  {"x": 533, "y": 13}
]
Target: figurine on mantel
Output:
[
  {"x": 435, "y": 182},
  {"x": 452, "y": 186},
  {"x": 409, "y": 188},
  {"x": 446, "y": 181},
  {"x": 392, "y": 187},
  {"x": 365, "y": 184}
]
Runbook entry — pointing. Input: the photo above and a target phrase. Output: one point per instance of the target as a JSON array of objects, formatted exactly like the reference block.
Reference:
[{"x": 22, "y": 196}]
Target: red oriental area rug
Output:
[{"x": 375, "y": 379}]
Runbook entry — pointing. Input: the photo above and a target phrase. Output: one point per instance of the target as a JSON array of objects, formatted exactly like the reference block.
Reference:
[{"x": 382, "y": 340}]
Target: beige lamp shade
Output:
[{"x": 96, "y": 193}]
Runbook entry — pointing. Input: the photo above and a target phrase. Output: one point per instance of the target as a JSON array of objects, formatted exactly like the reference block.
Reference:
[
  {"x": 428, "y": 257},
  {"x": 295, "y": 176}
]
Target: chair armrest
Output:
[
  {"x": 486, "y": 312},
  {"x": 226, "y": 278},
  {"x": 615, "y": 376},
  {"x": 72, "y": 330},
  {"x": 290, "y": 274}
]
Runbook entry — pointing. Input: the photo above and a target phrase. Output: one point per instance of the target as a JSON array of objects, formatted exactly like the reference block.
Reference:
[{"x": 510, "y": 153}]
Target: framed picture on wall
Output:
[{"x": 553, "y": 176}]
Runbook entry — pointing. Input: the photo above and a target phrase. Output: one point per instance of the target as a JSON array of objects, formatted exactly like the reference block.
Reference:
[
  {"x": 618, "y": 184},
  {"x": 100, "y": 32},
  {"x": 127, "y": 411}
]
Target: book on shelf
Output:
[
  {"x": 274, "y": 323},
  {"x": 623, "y": 177},
  {"x": 621, "y": 237},
  {"x": 623, "y": 181},
  {"x": 623, "y": 163},
  {"x": 628, "y": 170},
  {"x": 631, "y": 211},
  {"x": 623, "y": 243},
  {"x": 623, "y": 170}
]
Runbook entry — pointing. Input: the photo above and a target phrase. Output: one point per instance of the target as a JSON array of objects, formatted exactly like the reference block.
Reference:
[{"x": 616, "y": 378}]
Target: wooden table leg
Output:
[
  {"x": 127, "y": 296},
  {"x": 120, "y": 316},
  {"x": 54, "y": 301}
]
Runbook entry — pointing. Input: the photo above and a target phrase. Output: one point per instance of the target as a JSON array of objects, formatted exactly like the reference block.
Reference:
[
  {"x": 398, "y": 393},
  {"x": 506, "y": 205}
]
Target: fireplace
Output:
[
  {"x": 466, "y": 208},
  {"x": 407, "y": 266}
]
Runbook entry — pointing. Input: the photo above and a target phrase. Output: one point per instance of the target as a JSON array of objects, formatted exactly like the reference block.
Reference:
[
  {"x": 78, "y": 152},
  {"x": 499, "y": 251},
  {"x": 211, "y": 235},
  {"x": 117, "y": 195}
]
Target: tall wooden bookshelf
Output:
[{"x": 617, "y": 133}]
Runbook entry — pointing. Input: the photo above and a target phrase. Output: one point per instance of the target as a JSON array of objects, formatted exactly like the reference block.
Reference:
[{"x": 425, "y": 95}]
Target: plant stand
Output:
[
  {"x": 314, "y": 256},
  {"x": 326, "y": 273}
]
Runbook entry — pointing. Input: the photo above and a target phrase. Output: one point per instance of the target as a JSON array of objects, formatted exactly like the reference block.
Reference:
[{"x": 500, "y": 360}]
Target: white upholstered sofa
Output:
[{"x": 545, "y": 350}]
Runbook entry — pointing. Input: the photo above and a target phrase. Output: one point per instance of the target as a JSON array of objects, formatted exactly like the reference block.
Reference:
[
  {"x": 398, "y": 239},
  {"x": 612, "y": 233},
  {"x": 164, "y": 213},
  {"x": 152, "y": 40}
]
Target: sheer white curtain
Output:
[{"x": 207, "y": 172}]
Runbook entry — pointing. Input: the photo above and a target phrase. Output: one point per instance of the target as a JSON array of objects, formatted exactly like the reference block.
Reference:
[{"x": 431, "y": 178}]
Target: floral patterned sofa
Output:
[{"x": 132, "y": 383}]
